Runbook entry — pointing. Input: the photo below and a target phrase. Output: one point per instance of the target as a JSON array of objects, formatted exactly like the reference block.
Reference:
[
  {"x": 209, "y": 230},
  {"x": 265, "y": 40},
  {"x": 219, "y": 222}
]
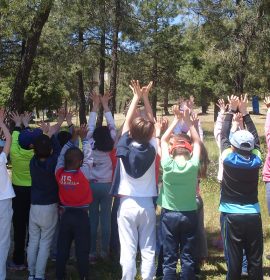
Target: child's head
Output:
[
  {"x": 180, "y": 145},
  {"x": 141, "y": 130},
  {"x": 63, "y": 137},
  {"x": 103, "y": 139},
  {"x": 73, "y": 158},
  {"x": 28, "y": 136},
  {"x": 242, "y": 142},
  {"x": 43, "y": 147}
]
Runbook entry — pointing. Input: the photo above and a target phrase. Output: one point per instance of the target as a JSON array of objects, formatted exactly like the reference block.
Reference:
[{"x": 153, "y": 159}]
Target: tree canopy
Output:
[{"x": 58, "y": 51}]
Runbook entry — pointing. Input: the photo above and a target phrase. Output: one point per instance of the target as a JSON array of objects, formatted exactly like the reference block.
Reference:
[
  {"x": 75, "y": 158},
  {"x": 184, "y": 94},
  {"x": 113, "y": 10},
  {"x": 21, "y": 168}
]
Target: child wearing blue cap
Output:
[
  {"x": 6, "y": 195},
  {"x": 241, "y": 222}
]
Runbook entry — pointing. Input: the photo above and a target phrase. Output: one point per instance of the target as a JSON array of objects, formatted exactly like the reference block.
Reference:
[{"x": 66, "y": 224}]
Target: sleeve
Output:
[
  {"x": 200, "y": 131},
  {"x": 91, "y": 125},
  {"x": 267, "y": 129},
  {"x": 111, "y": 124},
  {"x": 87, "y": 160},
  {"x": 218, "y": 127},
  {"x": 15, "y": 142},
  {"x": 252, "y": 129},
  {"x": 70, "y": 130},
  {"x": 61, "y": 158},
  {"x": 195, "y": 160},
  {"x": 225, "y": 132},
  {"x": 178, "y": 129}
]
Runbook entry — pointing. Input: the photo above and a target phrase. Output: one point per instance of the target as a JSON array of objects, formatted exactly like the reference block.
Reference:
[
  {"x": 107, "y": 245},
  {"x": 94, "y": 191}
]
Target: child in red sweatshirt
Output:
[{"x": 72, "y": 175}]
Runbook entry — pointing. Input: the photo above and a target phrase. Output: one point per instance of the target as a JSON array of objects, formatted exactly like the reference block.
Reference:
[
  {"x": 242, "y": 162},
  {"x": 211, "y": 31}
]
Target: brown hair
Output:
[{"x": 141, "y": 130}]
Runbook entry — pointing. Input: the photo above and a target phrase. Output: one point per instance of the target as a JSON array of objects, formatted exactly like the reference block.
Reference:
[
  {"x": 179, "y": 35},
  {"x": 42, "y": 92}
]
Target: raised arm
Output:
[
  {"x": 108, "y": 115},
  {"x": 137, "y": 94},
  {"x": 227, "y": 123},
  {"x": 147, "y": 106},
  {"x": 93, "y": 115},
  {"x": 5, "y": 132},
  {"x": 193, "y": 132},
  {"x": 87, "y": 151},
  {"x": 248, "y": 121},
  {"x": 267, "y": 123},
  {"x": 220, "y": 118}
]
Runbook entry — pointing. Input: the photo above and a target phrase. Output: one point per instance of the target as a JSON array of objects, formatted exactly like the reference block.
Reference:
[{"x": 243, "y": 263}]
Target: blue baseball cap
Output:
[{"x": 28, "y": 136}]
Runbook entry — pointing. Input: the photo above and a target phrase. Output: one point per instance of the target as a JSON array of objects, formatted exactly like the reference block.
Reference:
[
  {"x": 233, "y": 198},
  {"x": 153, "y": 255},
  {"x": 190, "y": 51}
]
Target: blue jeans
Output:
[
  {"x": 100, "y": 211},
  {"x": 179, "y": 228}
]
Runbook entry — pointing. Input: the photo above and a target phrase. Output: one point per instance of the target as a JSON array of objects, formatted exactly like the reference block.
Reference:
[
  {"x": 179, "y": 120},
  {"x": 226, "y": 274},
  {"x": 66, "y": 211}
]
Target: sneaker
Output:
[
  {"x": 244, "y": 274},
  {"x": 17, "y": 267},
  {"x": 31, "y": 277},
  {"x": 39, "y": 279}
]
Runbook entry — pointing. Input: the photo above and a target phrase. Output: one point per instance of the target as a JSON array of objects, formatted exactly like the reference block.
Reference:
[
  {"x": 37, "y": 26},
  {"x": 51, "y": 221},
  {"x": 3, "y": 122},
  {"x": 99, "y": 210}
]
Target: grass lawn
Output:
[{"x": 214, "y": 268}]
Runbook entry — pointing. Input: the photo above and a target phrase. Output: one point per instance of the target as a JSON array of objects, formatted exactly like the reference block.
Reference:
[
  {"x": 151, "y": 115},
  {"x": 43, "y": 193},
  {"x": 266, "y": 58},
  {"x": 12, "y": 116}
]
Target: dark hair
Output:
[
  {"x": 43, "y": 146},
  {"x": 63, "y": 137},
  {"x": 141, "y": 130},
  {"x": 73, "y": 158},
  {"x": 103, "y": 139}
]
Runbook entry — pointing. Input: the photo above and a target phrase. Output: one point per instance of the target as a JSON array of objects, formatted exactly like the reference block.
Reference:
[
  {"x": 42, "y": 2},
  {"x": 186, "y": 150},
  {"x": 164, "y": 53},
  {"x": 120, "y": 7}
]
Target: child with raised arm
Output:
[
  {"x": 266, "y": 168},
  {"x": 241, "y": 223},
  {"x": 101, "y": 174},
  {"x": 72, "y": 175},
  {"x": 136, "y": 185},
  {"x": 44, "y": 201},
  {"x": 6, "y": 195},
  {"x": 180, "y": 163}
]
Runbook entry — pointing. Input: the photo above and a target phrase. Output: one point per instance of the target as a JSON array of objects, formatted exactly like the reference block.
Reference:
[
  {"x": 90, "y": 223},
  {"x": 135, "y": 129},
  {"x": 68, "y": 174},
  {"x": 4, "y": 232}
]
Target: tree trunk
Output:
[
  {"x": 101, "y": 74},
  {"x": 155, "y": 69},
  {"x": 114, "y": 62},
  {"x": 166, "y": 103},
  {"x": 81, "y": 96},
  {"x": 28, "y": 55}
]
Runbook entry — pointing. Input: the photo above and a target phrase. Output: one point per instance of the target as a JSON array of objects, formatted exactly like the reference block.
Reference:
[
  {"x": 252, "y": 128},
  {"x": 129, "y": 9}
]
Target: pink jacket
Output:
[{"x": 266, "y": 168}]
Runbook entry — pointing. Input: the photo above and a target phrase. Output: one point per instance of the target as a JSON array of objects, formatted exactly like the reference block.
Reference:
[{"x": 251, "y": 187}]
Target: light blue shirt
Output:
[{"x": 239, "y": 209}]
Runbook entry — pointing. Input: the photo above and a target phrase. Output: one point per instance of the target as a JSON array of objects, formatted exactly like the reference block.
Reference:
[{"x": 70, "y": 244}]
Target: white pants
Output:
[
  {"x": 42, "y": 224},
  {"x": 5, "y": 226},
  {"x": 136, "y": 219}
]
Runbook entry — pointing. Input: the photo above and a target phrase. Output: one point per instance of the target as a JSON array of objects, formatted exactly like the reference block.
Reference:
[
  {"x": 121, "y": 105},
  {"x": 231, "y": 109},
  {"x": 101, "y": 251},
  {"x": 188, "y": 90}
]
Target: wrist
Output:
[
  {"x": 106, "y": 108},
  {"x": 244, "y": 113}
]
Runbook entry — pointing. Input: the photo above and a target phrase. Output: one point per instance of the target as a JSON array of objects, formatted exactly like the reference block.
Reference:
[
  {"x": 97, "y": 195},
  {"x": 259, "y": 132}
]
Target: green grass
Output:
[{"x": 214, "y": 268}]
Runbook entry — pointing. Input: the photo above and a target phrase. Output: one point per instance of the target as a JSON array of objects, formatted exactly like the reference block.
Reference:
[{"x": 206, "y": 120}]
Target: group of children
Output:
[{"x": 65, "y": 182}]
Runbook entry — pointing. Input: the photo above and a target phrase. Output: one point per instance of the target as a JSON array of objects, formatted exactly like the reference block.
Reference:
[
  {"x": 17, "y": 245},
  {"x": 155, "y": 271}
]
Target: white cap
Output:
[{"x": 243, "y": 140}]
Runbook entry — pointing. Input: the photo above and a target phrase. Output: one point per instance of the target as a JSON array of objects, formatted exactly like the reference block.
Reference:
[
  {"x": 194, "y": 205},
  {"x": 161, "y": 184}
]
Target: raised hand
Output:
[
  {"x": 233, "y": 102},
  {"x": 267, "y": 102},
  {"x": 195, "y": 119},
  {"x": 243, "y": 104},
  {"x": 186, "y": 116},
  {"x": 105, "y": 101},
  {"x": 61, "y": 115},
  {"x": 222, "y": 106},
  {"x": 26, "y": 117},
  {"x": 177, "y": 113},
  {"x": 75, "y": 134},
  {"x": 44, "y": 127},
  {"x": 69, "y": 115},
  {"x": 146, "y": 89},
  {"x": 96, "y": 101},
  {"x": 16, "y": 118},
  {"x": 83, "y": 131},
  {"x": 136, "y": 88}
]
